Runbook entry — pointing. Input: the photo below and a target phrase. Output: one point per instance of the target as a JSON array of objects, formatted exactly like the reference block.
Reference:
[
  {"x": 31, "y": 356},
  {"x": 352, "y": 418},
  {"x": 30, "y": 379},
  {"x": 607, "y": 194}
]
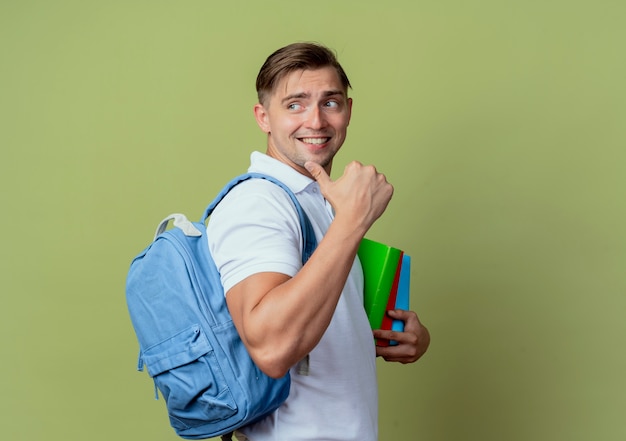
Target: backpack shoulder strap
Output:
[{"x": 308, "y": 234}]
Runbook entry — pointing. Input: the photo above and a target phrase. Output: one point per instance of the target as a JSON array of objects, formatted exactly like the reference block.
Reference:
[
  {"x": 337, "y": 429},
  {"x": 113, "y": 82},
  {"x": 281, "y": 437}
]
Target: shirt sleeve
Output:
[{"x": 255, "y": 229}]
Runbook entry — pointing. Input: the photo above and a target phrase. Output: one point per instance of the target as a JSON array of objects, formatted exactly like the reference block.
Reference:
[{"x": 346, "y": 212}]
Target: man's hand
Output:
[
  {"x": 359, "y": 196},
  {"x": 412, "y": 343}
]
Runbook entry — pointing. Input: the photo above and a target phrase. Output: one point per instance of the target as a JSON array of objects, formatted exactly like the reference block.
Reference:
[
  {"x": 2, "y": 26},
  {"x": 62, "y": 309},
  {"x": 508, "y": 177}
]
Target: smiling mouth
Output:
[{"x": 315, "y": 141}]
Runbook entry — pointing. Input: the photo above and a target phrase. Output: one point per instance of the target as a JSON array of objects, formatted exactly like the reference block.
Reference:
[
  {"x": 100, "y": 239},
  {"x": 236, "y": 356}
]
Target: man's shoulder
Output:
[
  {"x": 254, "y": 201},
  {"x": 255, "y": 189}
]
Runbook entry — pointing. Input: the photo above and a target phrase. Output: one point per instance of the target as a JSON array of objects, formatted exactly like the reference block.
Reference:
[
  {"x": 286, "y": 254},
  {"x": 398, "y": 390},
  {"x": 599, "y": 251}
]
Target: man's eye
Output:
[
  {"x": 294, "y": 106},
  {"x": 331, "y": 104}
]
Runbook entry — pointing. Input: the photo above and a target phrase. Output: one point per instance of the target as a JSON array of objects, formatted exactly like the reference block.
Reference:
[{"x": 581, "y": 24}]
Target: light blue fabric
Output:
[{"x": 186, "y": 336}]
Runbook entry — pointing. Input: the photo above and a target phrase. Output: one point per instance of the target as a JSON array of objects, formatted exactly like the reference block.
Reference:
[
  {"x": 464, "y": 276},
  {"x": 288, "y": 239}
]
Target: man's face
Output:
[{"x": 306, "y": 118}]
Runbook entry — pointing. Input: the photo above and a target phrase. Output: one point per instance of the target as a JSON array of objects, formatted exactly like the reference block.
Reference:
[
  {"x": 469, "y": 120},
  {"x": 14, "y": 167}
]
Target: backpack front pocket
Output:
[{"x": 186, "y": 371}]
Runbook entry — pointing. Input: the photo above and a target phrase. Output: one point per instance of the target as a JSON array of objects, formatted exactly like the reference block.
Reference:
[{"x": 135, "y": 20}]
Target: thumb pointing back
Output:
[{"x": 318, "y": 173}]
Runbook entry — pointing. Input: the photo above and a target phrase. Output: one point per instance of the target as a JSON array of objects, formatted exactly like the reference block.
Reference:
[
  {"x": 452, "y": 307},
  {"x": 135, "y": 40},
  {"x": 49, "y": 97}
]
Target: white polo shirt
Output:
[{"x": 256, "y": 229}]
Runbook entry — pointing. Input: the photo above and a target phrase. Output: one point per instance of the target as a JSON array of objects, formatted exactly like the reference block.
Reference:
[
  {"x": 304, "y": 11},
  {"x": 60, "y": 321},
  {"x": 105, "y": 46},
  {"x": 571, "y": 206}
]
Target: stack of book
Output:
[{"x": 387, "y": 274}]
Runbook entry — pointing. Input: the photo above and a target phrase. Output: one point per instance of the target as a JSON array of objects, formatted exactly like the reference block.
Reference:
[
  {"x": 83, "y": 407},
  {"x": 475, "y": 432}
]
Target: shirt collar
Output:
[{"x": 262, "y": 163}]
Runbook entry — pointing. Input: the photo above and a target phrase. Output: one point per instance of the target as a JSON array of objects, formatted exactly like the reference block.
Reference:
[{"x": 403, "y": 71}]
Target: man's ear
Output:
[{"x": 261, "y": 116}]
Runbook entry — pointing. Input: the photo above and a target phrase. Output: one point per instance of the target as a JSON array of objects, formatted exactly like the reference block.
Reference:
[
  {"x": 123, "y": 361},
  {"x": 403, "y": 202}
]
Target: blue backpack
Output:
[{"x": 186, "y": 335}]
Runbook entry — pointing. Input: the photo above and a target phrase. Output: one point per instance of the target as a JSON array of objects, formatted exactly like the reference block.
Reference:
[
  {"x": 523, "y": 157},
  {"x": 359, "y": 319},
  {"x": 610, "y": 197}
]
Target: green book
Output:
[{"x": 380, "y": 263}]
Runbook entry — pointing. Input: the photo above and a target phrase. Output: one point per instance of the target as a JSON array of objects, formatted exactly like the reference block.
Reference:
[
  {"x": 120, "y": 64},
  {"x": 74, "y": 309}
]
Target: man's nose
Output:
[{"x": 316, "y": 118}]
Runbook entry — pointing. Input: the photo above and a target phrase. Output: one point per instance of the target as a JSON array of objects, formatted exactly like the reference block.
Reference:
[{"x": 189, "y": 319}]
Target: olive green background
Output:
[{"x": 500, "y": 123}]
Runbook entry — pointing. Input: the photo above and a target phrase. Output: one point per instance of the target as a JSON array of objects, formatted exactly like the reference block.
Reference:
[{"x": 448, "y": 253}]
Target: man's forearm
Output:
[{"x": 282, "y": 319}]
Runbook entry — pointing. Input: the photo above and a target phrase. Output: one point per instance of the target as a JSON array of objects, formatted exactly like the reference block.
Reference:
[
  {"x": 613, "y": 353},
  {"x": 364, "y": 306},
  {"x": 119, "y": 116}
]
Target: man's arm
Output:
[{"x": 281, "y": 319}]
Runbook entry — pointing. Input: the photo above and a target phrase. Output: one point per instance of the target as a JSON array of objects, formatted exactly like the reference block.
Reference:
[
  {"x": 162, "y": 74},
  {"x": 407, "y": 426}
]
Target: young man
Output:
[{"x": 286, "y": 312}]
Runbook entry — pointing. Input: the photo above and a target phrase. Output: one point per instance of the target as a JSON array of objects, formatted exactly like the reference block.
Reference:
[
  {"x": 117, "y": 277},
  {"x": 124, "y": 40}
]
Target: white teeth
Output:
[{"x": 315, "y": 140}]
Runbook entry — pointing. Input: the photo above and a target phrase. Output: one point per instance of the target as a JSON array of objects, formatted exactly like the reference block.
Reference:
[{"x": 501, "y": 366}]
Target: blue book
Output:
[{"x": 402, "y": 297}]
